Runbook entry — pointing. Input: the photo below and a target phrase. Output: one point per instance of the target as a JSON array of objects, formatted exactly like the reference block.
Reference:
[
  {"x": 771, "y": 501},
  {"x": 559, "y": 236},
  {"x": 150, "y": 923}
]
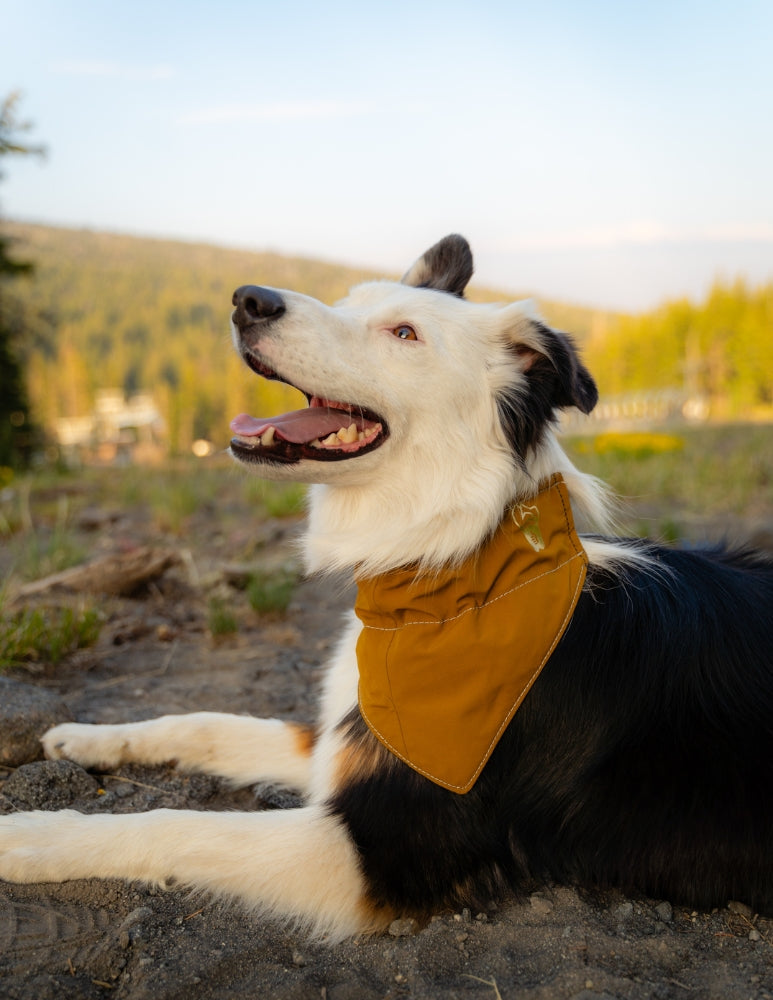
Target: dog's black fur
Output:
[{"x": 641, "y": 759}]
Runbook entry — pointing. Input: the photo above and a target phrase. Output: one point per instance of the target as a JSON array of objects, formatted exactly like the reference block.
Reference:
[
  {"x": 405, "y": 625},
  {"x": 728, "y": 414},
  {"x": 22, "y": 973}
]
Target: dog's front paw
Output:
[{"x": 100, "y": 747}]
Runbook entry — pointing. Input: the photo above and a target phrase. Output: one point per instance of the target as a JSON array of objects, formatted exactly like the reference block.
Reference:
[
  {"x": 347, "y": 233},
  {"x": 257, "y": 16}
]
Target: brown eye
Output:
[{"x": 405, "y": 332}]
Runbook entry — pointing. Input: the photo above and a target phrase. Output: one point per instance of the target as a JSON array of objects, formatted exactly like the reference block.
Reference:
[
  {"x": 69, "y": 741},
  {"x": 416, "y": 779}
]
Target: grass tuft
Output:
[
  {"x": 46, "y": 635},
  {"x": 221, "y": 619},
  {"x": 271, "y": 591}
]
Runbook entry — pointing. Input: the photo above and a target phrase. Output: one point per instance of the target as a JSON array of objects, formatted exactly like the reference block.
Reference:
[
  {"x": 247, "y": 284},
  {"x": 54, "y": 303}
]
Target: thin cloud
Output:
[
  {"x": 104, "y": 69},
  {"x": 277, "y": 111}
]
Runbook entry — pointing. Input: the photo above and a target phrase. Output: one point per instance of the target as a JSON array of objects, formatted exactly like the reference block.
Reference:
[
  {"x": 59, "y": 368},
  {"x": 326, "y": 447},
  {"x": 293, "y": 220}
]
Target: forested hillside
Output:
[
  {"x": 110, "y": 311},
  {"x": 719, "y": 351}
]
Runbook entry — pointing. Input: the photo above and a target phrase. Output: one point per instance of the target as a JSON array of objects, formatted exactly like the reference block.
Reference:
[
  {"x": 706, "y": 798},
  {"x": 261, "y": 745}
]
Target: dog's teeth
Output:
[
  {"x": 267, "y": 437},
  {"x": 331, "y": 439},
  {"x": 361, "y": 436},
  {"x": 347, "y": 435},
  {"x": 316, "y": 443}
]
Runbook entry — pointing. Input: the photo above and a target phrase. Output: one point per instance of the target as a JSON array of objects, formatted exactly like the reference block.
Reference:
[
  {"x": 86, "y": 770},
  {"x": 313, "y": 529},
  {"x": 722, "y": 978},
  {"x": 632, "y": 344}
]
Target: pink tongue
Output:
[{"x": 298, "y": 426}]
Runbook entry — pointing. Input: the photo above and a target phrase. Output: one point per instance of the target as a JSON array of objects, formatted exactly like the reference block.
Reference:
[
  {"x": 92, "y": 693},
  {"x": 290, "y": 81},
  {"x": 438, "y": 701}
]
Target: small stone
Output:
[
  {"x": 754, "y": 935},
  {"x": 482, "y": 918},
  {"x": 665, "y": 912},
  {"x": 740, "y": 909},
  {"x": 466, "y": 915},
  {"x": 403, "y": 927},
  {"x": 298, "y": 958},
  {"x": 625, "y": 911},
  {"x": 26, "y": 712},
  {"x": 540, "y": 906}
]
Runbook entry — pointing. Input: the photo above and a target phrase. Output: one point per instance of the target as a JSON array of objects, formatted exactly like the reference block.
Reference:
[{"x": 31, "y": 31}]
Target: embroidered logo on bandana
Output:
[
  {"x": 526, "y": 516},
  {"x": 446, "y": 659}
]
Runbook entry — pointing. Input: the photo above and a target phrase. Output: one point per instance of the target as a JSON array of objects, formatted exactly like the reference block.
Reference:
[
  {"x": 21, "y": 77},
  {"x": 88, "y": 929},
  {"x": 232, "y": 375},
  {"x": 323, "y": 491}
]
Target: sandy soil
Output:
[{"x": 99, "y": 939}]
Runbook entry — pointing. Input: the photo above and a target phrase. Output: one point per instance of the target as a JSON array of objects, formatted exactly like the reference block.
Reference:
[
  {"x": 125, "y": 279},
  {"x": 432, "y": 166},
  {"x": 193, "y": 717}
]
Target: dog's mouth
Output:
[{"x": 328, "y": 430}]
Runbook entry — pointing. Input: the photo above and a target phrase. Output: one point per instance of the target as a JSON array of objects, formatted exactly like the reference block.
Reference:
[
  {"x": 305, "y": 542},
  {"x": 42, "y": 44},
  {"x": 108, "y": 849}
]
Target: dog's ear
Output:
[
  {"x": 549, "y": 360},
  {"x": 446, "y": 267}
]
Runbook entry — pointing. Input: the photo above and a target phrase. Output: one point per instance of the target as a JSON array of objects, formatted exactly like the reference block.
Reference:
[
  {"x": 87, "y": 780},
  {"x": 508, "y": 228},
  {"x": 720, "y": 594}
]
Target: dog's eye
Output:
[{"x": 405, "y": 332}]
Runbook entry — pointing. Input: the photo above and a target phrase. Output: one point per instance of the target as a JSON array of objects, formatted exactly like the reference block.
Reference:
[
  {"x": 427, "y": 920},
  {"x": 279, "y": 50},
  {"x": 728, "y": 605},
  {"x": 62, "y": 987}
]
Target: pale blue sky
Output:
[{"x": 610, "y": 153}]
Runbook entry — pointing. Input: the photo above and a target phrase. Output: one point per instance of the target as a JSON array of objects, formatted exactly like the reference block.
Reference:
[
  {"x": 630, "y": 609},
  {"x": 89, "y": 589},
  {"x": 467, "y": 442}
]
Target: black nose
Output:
[{"x": 254, "y": 304}]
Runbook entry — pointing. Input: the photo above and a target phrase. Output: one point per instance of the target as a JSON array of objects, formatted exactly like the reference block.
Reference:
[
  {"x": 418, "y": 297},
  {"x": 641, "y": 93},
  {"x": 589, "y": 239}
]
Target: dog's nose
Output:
[{"x": 254, "y": 304}]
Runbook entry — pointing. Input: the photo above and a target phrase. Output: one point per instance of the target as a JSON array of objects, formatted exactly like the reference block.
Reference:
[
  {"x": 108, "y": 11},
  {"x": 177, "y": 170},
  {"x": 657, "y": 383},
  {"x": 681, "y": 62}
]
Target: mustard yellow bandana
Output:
[{"x": 446, "y": 658}]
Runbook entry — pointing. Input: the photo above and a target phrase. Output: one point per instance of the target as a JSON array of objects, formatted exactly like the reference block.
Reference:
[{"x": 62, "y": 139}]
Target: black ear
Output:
[
  {"x": 446, "y": 267},
  {"x": 549, "y": 359},
  {"x": 552, "y": 376},
  {"x": 558, "y": 364}
]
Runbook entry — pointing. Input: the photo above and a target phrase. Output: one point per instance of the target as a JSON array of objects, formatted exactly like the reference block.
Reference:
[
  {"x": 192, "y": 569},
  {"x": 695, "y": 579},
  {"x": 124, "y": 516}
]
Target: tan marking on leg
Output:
[{"x": 305, "y": 737}]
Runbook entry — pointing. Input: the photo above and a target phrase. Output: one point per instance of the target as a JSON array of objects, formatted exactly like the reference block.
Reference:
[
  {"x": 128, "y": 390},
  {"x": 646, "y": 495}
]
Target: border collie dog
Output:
[{"x": 511, "y": 702}]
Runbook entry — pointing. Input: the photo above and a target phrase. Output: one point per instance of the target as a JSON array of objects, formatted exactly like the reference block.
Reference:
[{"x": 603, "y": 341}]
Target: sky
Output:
[{"x": 610, "y": 153}]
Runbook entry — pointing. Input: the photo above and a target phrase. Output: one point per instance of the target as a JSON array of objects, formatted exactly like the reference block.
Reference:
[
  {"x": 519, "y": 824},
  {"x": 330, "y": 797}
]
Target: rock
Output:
[
  {"x": 26, "y": 712},
  {"x": 49, "y": 784},
  {"x": 540, "y": 906},
  {"x": 740, "y": 909},
  {"x": 271, "y": 796},
  {"x": 665, "y": 912}
]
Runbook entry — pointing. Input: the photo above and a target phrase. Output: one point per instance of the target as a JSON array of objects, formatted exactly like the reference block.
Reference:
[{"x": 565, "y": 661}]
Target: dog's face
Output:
[{"x": 401, "y": 371}]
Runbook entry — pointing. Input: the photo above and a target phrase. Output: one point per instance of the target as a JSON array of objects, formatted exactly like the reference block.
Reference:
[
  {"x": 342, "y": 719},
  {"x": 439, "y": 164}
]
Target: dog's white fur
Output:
[
  {"x": 431, "y": 492},
  {"x": 438, "y": 486}
]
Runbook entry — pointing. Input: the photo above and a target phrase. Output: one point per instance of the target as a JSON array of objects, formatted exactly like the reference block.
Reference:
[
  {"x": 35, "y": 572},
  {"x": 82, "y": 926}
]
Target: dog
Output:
[{"x": 512, "y": 704}]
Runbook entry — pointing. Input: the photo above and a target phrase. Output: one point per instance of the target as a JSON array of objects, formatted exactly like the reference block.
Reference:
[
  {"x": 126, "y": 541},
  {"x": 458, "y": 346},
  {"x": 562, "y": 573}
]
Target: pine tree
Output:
[{"x": 17, "y": 433}]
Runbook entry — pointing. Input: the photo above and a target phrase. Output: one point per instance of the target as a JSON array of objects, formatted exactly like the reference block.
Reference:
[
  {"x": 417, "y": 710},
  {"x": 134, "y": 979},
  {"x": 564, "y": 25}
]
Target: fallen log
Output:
[{"x": 117, "y": 575}]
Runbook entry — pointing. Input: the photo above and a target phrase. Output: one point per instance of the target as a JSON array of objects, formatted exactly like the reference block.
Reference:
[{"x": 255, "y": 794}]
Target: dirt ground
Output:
[{"x": 94, "y": 939}]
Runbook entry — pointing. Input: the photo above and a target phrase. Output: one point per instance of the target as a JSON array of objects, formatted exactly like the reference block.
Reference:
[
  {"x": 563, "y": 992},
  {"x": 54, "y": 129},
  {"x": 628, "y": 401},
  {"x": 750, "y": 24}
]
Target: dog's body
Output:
[{"x": 642, "y": 757}]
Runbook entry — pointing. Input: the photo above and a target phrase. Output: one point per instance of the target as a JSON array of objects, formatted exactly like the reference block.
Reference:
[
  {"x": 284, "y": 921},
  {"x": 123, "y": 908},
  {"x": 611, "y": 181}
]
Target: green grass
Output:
[
  {"x": 172, "y": 495},
  {"x": 221, "y": 620},
  {"x": 721, "y": 472},
  {"x": 44, "y": 543},
  {"x": 274, "y": 499},
  {"x": 270, "y": 591},
  {"x": 175, "y": 494},
  {"x": 46, "y": 635}
]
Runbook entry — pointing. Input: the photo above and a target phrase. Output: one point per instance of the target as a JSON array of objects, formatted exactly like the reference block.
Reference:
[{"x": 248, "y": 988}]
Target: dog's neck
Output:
[{"x": 377, "y": 528}]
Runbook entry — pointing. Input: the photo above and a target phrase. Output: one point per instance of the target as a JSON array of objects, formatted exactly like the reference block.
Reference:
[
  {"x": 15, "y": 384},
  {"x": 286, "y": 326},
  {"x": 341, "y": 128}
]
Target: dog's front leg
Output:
[
  {"x": 240, "y": 748},
  {"x": 298, "y": 863}
]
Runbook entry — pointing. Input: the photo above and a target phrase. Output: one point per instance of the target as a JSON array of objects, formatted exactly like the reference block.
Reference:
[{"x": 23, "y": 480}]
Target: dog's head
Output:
[
  {"x": 410, "y": 367},
  {"x": 427, "y": 414}
]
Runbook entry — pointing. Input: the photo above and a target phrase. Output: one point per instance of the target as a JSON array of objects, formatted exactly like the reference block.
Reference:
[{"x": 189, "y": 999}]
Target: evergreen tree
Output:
[{"x": 16, "y": 430}]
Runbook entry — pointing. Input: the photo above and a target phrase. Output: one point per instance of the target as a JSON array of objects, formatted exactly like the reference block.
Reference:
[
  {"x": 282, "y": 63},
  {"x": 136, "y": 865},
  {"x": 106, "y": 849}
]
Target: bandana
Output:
[{"x": 446, "y": 658}]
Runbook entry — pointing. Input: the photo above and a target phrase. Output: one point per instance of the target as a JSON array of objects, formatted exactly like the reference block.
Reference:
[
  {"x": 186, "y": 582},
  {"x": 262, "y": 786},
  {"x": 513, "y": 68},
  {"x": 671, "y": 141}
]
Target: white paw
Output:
[{"x": 90, "y": 746}]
